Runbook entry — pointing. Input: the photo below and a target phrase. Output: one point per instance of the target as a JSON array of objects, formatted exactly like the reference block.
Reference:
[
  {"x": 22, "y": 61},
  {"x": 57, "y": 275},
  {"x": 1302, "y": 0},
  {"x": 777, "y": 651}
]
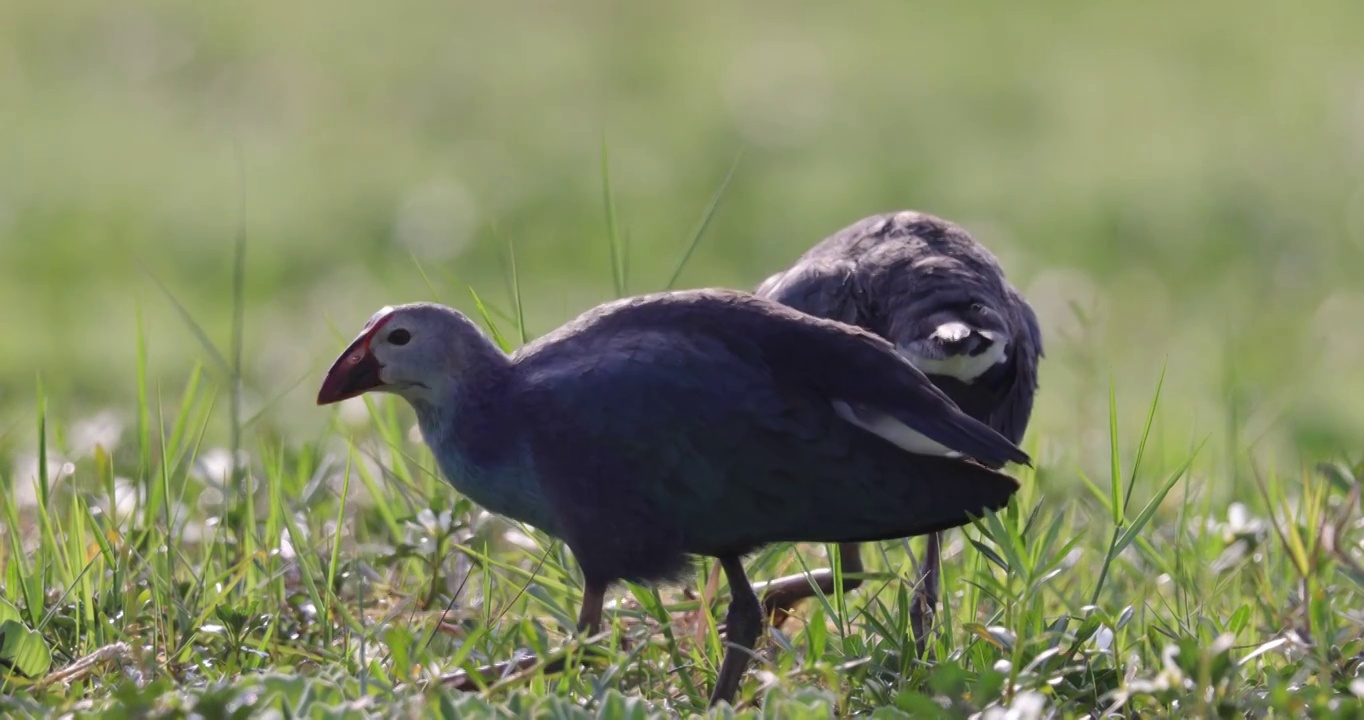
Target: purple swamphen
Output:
[
  {"x": 704, "y": 422},
  {"x": 942, "y": 300}
]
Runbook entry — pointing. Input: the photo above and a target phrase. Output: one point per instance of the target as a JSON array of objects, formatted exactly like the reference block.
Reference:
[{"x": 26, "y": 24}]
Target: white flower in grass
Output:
[
  {"x": 360, "y": 465},
  {"x": 424, "y": 531},
  {"x": 521, "y": 540},
  {"x": 1026, "y": 705},
  {"x": 1241, "y": 523},
  {"x": 286, "y": 546},
  {"x": 215, "y": 466},
  {"x": 194, "y": 531},
  {"x": 103, "y": 430},
  {"x": 127, "y": 498},
  {"x": 25, "y": 492},
  {"x": 1103, "y": 639},
  {"x": 435, "y": 524},
  {"x": 25, "y": 479},
  {"x": 286, "y": 538},
  {"x": 210, "y": 501},
  {"x": 353, "y": 413},
  {"x": 1242, "y": 532},
  {"x": 1170, "y": 676},
  {"x": 501, "y": 532}
]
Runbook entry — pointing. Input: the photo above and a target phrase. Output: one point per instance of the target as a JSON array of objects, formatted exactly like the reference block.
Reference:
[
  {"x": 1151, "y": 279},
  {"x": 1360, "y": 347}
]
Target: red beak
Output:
[{"x": 354, "y": 373}]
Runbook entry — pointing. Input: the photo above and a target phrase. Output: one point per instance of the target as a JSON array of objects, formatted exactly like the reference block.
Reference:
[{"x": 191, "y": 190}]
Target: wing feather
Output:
[{"x": 661, "y": 439}]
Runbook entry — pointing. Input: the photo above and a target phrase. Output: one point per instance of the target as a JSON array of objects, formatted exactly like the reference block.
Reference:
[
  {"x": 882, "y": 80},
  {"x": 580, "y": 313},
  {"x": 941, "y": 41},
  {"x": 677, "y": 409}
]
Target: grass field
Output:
[{"x": 199, "y": 205}]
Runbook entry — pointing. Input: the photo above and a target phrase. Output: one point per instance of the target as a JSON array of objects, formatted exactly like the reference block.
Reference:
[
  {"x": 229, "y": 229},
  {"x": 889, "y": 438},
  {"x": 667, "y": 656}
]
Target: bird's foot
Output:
[
  {"x": 479, "y": 678},
  {"x": 781, "y": 596}
]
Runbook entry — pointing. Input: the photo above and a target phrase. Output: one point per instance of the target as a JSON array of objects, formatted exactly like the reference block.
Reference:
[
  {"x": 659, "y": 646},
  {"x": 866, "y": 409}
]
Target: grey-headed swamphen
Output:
[
  {"x": 942, "y": 300},
  {"x": 687, "y": 423}
]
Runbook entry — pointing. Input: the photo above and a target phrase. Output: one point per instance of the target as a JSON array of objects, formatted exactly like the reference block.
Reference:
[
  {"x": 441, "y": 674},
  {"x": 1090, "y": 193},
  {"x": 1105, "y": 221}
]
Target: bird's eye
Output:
[
  {"x": 399, "y": 337},
  {"x": 978, "y": 308}
]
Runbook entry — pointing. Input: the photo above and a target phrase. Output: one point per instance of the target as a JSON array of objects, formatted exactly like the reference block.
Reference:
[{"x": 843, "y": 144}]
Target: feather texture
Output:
[
  {"x": 722, "y": 436},
  {"x": 697, "y": 422},
  {"x": 900, "y": 274}
]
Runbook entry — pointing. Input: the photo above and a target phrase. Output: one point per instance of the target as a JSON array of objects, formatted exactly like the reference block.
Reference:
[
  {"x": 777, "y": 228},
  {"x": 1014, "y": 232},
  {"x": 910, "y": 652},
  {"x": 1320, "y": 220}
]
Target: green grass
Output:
[
  {"x": 341, "y": 577},
  {"x": 200, "y": 204}
]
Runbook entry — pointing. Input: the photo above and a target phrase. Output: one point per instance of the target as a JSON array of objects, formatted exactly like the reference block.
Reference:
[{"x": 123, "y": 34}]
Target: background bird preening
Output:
[{"x": 1171, "y": 185}]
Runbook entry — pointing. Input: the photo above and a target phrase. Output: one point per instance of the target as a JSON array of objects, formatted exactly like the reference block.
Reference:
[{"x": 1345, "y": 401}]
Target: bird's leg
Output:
[
  {"x": 925, "y": 602},
  {"x": 589, "y": 618},
  {"x": 743, "y": 625},
  {"x": 780, "y": 596}
]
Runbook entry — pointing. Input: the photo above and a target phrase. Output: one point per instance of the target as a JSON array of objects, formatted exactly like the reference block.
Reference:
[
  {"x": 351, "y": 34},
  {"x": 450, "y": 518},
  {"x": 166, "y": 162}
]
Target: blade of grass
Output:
[
  {"x": 144, "y": 418},
  {"x": 1119, "y": 498},
  {"x": 20, "y": 572},
  {"x": 240, "y": 479},
  {"x": 457, "y": 281},
  {"x": 274, "y": 400},
  {"x": 219, "y": 361},
  {"x": 1114, "y": 457},
  {"x": 308, "y": 572},
  {"x": 161, "y": 567},
  {"x": 51, "y": 548},
  {"x": 335, "y": 562},
  {"x": 516, "y": 292},
  {"x": 1145, "y": 435},
  {"x": 426, "y": 279},
  {"x": 1133, "y": 530},
  {"x": 706, "y": 216},
  {"x": 488, "y": 321},
  {"x": 239, "y": 266},
  {"x": 612, "y": 229}
]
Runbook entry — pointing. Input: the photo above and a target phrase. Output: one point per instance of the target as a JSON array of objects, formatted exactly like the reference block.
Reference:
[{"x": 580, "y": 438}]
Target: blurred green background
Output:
[{"x": 1167, "y": 181}]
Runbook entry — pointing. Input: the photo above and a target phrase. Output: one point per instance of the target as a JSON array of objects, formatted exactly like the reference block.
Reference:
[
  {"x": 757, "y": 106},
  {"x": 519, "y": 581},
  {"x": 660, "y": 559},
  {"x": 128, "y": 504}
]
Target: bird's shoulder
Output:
[
  {"x": 629, "y": 341},
  {"x": 734, "y": 319},
  {"x": 656, "y": 397},
  {"x": 688, "y": 359}
]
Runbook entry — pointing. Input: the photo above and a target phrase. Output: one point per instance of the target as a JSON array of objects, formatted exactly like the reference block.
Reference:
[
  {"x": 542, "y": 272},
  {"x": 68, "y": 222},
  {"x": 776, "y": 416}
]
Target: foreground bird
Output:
[
  {"x": 686, "y": 423},
  {"x": 942, "y": 300}
]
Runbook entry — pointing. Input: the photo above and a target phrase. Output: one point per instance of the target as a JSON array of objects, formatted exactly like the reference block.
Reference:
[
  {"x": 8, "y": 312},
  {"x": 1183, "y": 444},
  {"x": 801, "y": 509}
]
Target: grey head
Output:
[{"x": 422, "y": 352}]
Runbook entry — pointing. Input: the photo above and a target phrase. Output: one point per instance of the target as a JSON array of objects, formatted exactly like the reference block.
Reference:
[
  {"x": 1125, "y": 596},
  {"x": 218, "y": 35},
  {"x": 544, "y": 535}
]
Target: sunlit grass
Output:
[
  {"x": 164, "y": 574},
  {"x": 363, "y": 576},
  {"x": 1177, "y": 188}
]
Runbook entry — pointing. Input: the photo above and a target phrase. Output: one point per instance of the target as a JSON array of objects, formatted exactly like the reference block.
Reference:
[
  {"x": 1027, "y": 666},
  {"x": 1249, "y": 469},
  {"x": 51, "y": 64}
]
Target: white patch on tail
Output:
[
  {"x": 892, "y": 430},
  {"x": 965, "y": 368},
  {"x": 954, "y": 331}
]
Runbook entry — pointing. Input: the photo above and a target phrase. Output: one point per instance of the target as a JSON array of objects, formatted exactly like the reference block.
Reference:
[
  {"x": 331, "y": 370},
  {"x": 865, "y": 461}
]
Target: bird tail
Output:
[{"x": 941, "y": 494}]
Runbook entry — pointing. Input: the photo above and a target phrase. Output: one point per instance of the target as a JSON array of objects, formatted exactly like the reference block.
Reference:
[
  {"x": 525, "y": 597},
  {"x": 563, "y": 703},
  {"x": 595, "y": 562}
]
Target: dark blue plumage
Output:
[
  {"x": 942, "y": 300},
  {"x": 712, "y": 426},
  {"x": 687, "y": 423},
  {"x": 901, "y": 275}
]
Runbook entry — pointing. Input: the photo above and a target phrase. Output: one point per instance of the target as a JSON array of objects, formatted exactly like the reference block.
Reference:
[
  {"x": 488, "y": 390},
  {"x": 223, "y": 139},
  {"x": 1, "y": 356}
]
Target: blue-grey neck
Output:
[{"x": 479, "y": 443}]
